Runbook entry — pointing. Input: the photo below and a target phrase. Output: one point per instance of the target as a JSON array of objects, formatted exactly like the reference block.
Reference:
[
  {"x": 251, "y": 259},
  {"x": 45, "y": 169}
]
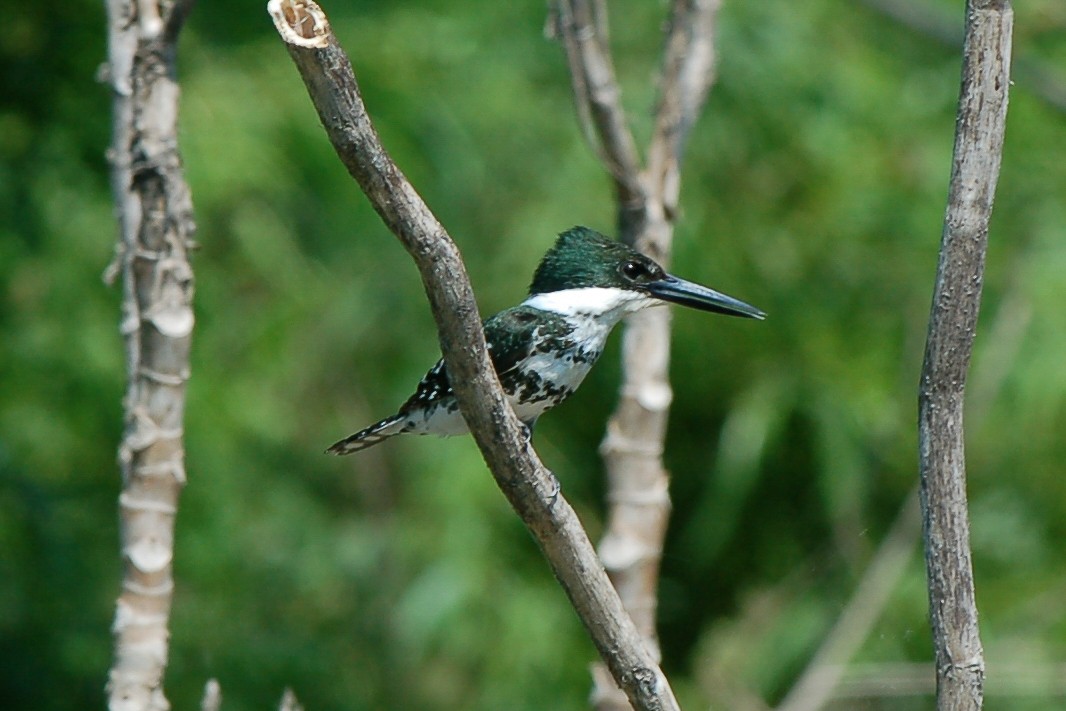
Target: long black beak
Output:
[{"x": 686, "y": 293}]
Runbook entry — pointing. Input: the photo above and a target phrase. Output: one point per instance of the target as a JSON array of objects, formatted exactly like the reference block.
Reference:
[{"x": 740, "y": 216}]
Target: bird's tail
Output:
[{"x": 368, "y": 437}]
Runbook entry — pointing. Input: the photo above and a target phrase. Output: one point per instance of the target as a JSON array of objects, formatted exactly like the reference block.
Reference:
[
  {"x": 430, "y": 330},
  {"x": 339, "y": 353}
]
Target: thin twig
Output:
[
  {"x": 819, "y": 680},
  {"x": 530, "y": 488},
  {"x": 953, "y": 319},
  {"x": 1005, "y": 338}
]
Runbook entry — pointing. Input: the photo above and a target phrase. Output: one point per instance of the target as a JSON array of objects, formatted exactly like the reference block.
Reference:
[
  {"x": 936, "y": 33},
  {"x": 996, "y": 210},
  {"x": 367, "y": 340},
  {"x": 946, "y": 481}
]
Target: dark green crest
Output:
[{"x": 583, "y": 258}]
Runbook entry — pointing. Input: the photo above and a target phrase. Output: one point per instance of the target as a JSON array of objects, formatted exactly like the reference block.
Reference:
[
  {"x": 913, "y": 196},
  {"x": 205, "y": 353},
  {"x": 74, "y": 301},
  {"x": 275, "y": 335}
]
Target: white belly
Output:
[{"x": 556, "y": 375}]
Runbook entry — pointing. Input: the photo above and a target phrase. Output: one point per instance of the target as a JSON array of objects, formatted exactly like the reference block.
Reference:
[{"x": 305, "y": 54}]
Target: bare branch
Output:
[
  {"x": 686, "y": 76},
  {"x": 530, "y": 488},
  {"x": 156, "y": 227},
  {"x": 953, "y": 319},
  {"x": 639, "y": 498},
  {"x": 582, "y": 25},
  {"x": 823, "y": 674}
]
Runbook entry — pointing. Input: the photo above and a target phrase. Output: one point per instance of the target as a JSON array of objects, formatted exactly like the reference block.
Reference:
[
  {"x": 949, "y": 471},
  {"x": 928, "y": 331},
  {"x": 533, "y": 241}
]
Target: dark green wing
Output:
[{"x": 510, "y": 338}]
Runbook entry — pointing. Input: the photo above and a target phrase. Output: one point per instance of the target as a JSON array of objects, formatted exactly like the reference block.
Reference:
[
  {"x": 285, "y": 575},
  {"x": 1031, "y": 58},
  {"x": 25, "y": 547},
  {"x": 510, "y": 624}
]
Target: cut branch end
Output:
[{"x": 300, "y": 22}]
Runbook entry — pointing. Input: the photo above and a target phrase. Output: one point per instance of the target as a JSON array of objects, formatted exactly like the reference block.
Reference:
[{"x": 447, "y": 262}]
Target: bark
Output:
[
  {"x": 530, "y": 488},
  {"x": 647, "y": 197},
  {"x": 956, "y": 300},
  {"x": 156, "y": 225}
]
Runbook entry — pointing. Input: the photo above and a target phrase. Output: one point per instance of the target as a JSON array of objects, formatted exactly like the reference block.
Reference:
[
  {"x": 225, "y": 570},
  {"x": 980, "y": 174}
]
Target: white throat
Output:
[{"x": 604, "y": 303}]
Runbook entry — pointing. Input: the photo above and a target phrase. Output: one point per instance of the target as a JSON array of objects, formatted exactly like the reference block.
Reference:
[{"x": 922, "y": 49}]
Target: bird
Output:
[{"x": 543, "y": 348}]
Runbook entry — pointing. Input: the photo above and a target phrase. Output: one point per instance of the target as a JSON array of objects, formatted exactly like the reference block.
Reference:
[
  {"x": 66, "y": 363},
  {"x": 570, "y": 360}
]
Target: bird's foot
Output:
[
  {"x": 527, "y": 430},
  {"x": 555, "y": 490}
]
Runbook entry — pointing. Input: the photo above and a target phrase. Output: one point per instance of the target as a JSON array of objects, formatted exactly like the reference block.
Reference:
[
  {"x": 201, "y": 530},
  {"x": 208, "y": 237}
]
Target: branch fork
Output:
[{"x": 530, "y": 488}]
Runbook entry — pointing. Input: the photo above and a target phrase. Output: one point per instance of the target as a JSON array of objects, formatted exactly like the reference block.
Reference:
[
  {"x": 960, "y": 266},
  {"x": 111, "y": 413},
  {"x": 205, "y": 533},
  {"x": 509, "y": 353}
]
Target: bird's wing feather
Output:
[{"x": 510, "y": 337}]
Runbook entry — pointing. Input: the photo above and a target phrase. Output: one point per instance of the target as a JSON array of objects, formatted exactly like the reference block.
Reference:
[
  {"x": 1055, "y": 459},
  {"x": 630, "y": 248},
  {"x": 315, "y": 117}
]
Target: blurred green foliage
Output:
[{"x": 814, "y": 187}]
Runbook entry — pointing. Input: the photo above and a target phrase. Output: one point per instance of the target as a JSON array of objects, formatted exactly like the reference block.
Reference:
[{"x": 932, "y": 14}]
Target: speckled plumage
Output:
[
  {"x": 540, "y": 357},
  {"x": 543, "y": 349}
]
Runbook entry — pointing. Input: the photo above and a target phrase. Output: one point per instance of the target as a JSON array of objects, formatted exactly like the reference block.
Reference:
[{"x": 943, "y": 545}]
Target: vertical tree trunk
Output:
[
  {"x": 638, "y": 484},
  {"x": 956, "y": 300},
  {"x": 647, "y": 201},
  {"x": 154, "y": 211}
]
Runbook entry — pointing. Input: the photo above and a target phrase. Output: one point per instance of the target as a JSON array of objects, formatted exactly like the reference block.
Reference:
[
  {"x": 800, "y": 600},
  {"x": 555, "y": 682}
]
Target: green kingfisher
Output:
[{"x": 543, "y": 348}]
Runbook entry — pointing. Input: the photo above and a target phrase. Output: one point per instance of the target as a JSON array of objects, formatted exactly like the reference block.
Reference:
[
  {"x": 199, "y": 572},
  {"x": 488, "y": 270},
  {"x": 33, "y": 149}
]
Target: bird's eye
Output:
[{"x": 634, "y": 271}]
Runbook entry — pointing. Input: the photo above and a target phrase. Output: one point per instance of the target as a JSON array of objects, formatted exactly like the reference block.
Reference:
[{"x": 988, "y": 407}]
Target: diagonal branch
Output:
[
  {"x": 978, "y": 151},
  {"x": 816, "y": 686},
  {"x": 530, "y": 488}
]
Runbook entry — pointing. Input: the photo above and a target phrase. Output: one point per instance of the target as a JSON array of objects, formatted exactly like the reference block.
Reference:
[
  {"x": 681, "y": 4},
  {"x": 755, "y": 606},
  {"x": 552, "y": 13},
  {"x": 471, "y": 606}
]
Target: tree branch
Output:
[
  {"x": 639, "y": 497},
  {"x": 156, "y": 226},
  {"x": 582, "y": 25},
  {"x": 530, "y": 488},
  {"x": 686, "y": 76},
  {"x": 823, "y": 674},
  {"x": 953, "y": 319}
]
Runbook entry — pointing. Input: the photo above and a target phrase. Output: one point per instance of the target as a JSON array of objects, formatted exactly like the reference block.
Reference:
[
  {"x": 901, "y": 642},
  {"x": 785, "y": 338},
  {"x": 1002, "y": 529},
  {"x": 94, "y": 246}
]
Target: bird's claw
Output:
[
  {"x": 556, "y": 489},
  {"x": 527, "y": 430}
]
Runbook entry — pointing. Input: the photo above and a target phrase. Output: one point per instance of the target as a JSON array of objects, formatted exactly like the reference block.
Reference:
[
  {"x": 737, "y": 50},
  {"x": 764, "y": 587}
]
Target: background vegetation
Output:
[{"x": 814, "y": 188}]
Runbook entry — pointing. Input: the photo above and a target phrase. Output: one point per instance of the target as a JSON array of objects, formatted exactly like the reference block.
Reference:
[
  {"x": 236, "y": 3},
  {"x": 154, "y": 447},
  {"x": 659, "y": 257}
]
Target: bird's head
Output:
[{"x": 588, "y": 272}]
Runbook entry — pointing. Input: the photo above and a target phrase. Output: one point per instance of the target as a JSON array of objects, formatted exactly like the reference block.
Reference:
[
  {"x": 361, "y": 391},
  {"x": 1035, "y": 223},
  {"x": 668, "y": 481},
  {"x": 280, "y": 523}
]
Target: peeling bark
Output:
[
  {"x": 154, "y": 211},
  {"x": 638, "y": 498}
]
